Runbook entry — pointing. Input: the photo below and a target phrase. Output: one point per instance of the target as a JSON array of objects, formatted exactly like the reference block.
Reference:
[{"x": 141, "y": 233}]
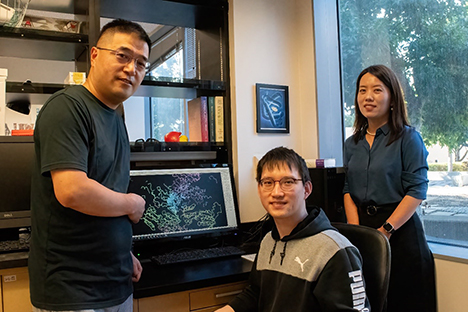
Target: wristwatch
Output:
[{"x": 388, "y": 227}]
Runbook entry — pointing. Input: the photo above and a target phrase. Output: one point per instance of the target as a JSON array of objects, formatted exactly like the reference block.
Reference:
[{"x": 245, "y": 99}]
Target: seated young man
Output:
[{"x": 303, "y": 264}]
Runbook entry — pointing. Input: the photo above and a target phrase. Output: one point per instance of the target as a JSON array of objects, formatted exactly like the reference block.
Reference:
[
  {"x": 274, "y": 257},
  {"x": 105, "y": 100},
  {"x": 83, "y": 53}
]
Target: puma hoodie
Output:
[{"x": 315, "y": 268}]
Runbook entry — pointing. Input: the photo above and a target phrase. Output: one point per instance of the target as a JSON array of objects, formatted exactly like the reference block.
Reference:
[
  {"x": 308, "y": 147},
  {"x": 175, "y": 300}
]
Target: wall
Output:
[
  {"x": 22, "y": 69},
  {"x": 451, "y": 279},
  {"x": 271, "y": 41}
]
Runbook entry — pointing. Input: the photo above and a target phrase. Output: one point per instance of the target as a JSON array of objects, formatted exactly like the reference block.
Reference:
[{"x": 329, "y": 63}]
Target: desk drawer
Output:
[
  {"x": 215, "y": 296},
  {"x": 176, "y": 302}
]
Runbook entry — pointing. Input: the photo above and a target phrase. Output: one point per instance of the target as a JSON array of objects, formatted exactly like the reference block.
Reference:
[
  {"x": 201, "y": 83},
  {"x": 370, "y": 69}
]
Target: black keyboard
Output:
[
  {"x": 14, "y": 245},
  {"x": 197, "y": 254}
]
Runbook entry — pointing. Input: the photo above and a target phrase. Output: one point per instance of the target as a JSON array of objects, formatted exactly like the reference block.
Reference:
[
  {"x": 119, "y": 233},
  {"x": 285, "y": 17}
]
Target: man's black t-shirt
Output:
[{"x": 78, "y": 261}]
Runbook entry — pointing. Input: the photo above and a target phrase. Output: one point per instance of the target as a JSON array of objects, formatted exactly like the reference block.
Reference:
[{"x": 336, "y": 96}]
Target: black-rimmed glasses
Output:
[
  {"x": 124, "y": 57},
  {"x": 286, "y": 184}
]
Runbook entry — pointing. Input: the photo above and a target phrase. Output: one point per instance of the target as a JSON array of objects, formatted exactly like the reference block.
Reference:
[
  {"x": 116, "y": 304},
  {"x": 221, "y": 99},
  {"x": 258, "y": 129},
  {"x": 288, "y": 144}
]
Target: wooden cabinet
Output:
[
  {"x": 215, "y": 296},
  {"x": 176, "y": 302},
  {"x": 197, "y": 300},
  {"x": 14, "y": 296},
  {"x": 15, "y": 290}
]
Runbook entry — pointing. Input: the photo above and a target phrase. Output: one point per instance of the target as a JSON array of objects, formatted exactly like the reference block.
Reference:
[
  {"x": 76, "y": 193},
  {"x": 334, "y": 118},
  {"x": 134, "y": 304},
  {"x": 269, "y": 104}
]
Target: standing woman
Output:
[{"x": 386, "y": 181}]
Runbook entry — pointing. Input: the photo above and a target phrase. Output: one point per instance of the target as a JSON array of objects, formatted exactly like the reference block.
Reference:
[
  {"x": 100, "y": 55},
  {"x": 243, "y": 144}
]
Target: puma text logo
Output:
[{"x": 358, "y": 291}]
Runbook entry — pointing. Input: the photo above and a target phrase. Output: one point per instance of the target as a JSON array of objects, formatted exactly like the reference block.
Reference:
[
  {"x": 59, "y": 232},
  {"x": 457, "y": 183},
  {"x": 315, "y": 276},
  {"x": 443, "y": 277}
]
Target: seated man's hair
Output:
[
  {"x": 126, "y": 27},
  {"x": 281, "y": 156}
]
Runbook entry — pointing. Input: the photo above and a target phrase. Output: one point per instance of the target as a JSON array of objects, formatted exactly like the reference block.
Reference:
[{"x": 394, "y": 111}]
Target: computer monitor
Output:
[
  {"x": 16, "y": 162},
  {"x": 185, "y": 203}
]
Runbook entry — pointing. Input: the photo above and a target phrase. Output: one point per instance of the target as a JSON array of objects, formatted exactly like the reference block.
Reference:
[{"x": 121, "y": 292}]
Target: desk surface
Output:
[
  {"x": 13, "y": 260},
  {"x": 163, "y": 279}
]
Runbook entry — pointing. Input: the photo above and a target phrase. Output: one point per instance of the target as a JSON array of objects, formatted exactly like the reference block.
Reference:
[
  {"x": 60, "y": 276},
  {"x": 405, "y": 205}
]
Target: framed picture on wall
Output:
[{"x": 272, "y": 108}]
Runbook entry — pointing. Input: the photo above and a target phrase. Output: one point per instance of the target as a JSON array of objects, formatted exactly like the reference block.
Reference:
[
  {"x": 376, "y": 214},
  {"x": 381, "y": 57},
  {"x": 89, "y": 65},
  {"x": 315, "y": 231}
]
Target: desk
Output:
[
  {"x": 158, "y": 280},
  {"x": 183, "y": 282},
  {"x": 200, "y": 285}
]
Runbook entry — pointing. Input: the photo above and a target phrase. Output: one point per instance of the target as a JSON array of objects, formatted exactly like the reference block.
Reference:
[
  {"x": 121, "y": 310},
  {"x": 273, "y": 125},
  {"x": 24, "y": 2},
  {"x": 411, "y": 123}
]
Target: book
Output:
[
  {"x": 320, "y": 163},
  {"x": 198, "y": 119},
  {"x": 219, "y": 119},
  {"x": 211, "y": 119}
]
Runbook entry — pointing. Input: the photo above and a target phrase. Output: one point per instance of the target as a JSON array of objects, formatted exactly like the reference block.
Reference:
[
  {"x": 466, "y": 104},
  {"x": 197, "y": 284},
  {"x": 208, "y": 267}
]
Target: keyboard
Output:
[
  {"x": 14, "y": 245},
  {"x": 197, "y": 254}
]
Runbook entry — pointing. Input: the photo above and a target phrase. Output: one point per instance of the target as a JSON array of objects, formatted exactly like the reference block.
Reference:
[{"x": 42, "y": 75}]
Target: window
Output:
[
  {"x": 425, "y": 43},
  {"x": 168, "y": 114}
]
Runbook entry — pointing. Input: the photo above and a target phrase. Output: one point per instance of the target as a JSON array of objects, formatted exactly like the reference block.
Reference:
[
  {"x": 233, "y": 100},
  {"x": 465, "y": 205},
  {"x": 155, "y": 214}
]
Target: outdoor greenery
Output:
[
  {"x": 168, "y": 114},
  {"x": 458, "y": 166},
  {"x": 426, "y": 43}
]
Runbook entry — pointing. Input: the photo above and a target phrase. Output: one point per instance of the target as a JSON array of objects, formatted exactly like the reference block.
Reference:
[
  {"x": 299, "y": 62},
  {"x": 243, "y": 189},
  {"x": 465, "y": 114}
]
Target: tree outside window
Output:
[{"x": 168, "y": 114}]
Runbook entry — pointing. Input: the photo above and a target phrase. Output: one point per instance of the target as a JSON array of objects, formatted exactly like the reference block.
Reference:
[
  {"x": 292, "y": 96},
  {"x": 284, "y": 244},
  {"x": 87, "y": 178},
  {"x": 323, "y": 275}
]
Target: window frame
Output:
[{"x": 330, "y": 104}]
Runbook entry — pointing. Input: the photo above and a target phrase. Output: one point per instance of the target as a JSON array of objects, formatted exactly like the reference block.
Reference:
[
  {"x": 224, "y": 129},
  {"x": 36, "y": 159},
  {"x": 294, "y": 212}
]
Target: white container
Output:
[{"x": 6, "y": 13}]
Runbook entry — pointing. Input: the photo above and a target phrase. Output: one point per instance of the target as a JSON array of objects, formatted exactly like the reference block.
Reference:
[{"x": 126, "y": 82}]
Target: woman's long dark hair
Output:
[{"x": 397, "y": 119}]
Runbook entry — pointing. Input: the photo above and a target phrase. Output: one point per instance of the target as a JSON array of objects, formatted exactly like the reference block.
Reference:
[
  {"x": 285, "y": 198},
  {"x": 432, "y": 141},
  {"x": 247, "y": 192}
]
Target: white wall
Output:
[
  {"x": 46, "y": 71},
  {"x": 271, "y": 41}
]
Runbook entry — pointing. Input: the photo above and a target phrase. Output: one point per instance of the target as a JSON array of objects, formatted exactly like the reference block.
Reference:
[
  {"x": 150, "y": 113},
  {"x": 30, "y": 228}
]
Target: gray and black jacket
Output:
[{"x": 314, "y": 268}]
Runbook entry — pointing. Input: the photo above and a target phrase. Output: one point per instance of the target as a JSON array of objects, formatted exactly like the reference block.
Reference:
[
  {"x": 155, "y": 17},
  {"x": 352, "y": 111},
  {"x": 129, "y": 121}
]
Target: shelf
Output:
[
  {"x": 42, "y": 44},
  {"x": 38, "y": 34},
  {"x": 146, "y": 86},
  {"x": 28, "y": 88},
  {"x": 184, "y": 83},
  {"x": 178, "y": 87},
  {"x": 35, "y": 93},
  {"x": 172, "y": 156}
]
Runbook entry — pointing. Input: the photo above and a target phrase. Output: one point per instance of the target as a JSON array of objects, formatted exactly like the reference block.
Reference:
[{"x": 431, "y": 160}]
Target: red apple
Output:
[{"x": 172, "y": 136}]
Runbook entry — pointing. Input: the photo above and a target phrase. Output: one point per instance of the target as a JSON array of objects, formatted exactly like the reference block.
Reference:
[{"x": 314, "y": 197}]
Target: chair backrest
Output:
[{"x": 375, "y": 253}]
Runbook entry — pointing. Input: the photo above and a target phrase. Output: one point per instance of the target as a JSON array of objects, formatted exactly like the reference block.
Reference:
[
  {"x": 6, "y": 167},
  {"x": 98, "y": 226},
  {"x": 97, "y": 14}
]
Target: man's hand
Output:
[
  {"x": 137, "y": 269},
  {"x": 138, "y": 203}
]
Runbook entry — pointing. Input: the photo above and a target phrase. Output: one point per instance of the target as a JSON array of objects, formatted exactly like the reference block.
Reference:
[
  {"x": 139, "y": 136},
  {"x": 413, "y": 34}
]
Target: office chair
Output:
[{"x": 375, "y": 251}]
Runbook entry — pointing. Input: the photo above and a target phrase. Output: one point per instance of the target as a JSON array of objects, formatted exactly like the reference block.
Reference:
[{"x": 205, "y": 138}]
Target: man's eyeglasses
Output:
[
  {"x": 286, "y": 184},
  {"x": 124, "y": 57}
]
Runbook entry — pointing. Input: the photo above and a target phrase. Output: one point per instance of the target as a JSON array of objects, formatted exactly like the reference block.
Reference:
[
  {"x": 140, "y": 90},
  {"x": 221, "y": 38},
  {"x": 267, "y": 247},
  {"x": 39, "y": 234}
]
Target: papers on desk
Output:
[{"x": 250, "y": 257}]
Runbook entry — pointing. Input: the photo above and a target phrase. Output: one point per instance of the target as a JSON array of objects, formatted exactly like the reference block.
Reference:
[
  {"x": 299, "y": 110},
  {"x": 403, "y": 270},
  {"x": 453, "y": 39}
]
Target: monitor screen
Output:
[
  {"x": 181, "y": 203},
  {"x": 16, "y": 162}
]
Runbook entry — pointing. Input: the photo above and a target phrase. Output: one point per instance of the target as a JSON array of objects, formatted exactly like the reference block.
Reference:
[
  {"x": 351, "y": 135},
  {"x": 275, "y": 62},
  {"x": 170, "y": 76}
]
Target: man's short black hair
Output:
[
  {"x": 126, "y": 27},
  {"x": 281, "y": 156}
]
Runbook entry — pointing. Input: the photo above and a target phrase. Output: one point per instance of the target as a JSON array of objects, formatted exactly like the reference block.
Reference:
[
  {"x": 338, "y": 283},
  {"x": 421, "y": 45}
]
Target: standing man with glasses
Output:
[
  {"x": 303, "y": 264},
  {"x": 80, "y": 257}
]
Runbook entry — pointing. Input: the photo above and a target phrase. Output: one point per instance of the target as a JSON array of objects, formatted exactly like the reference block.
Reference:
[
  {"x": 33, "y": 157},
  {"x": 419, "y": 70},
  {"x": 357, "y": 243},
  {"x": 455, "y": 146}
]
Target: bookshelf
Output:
[{"x": 210, "y": 76}]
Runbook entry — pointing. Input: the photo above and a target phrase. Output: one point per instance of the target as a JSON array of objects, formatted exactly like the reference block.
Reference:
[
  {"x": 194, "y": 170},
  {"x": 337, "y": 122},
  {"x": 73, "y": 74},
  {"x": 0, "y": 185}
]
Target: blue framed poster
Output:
[{"x": 272, "y": 108}]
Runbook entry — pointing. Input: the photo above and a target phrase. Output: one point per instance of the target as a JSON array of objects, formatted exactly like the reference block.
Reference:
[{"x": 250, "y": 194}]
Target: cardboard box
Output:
[{"x": 75, "y": 78}]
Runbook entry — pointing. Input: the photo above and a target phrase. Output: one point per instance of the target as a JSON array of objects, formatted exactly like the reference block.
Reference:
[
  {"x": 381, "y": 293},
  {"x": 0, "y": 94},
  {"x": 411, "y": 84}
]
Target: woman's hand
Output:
[
  {"x": 351, "y": 210},
  {"x": 384, "y": 232}
]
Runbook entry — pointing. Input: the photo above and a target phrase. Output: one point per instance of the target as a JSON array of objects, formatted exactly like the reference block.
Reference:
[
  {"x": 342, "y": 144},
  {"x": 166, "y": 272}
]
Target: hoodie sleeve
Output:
[
  {"x": 247, "y": 301},
  {"x": 341, "y": 286}
]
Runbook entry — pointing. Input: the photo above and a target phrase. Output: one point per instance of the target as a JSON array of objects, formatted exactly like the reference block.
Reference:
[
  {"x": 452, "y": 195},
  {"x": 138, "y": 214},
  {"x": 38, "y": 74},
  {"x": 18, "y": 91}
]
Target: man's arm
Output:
[
  {"x": 341, "y": 285},
  {"x": 73, "y": 189}
]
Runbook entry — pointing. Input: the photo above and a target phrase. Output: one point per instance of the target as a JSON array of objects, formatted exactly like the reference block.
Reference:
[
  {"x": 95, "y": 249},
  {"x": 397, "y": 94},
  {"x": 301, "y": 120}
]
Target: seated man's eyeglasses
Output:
[
  {"x": 286, "y": 184},
  {"x": 124, "y": 57}
]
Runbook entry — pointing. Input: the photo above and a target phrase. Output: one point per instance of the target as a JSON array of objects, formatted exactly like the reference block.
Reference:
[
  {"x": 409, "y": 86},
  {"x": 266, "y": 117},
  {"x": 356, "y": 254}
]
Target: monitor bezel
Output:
[{"x": 21, "y": 217}]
